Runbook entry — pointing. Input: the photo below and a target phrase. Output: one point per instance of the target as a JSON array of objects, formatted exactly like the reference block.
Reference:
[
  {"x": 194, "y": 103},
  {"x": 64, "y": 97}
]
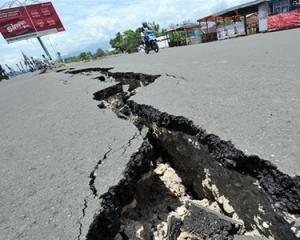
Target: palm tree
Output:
[
  {"x": 154, "y": 26},
  {"x": 11, "y": 69},
  {"x": 185, "y": 22},
  {"x": 22, "y": 66},
  {"x": 19, "y": 68}
]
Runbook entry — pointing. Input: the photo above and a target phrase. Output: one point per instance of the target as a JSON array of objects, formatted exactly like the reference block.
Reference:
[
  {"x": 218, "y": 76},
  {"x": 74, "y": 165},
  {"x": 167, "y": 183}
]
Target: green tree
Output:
[
  {"x": 85, "y": 56},
  {"x": 177, "y": 36},
  {"x": 100, "y": 53},
  {"x": 185, "y": 22},
  {"x": 27, "y": 61},
  {"x": 164, "y": 31},
  {"x": 224, "y": 23},
  {"x": 89, "y": 53},
  {"x": 11, "y": 69},
  {"x": 72, "y": 59},
  {"x": 18, "y": 67},
  {"x": 154, "y": 26},
  {"x": 132, "y": 39},
  {"x": 22, "y": 66},
  {"x": 177, "y": 25},
  {"x": 128, "y": 41},
  {"x": 117, "y": 42},
  {"x": 173, "y": 25}
]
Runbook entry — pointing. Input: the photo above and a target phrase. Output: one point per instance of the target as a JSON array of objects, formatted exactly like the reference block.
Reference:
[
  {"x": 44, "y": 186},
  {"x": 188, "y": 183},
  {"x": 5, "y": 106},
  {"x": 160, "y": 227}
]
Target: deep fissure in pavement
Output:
[{"x": 236, "y": 194}]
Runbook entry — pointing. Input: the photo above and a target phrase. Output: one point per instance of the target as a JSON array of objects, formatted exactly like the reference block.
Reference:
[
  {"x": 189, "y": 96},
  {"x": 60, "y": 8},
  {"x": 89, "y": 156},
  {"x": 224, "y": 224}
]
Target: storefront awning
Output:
[
  {"x": 187, "y": 26},
  {"x": 242, "y": 9},
  {"x": 212, "y": 18}
]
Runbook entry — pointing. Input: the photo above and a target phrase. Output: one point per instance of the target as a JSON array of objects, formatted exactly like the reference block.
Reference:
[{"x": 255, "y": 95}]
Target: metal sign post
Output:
[
  {"x": 45, "y": 49},
  {"x": 17, "y": 3}
]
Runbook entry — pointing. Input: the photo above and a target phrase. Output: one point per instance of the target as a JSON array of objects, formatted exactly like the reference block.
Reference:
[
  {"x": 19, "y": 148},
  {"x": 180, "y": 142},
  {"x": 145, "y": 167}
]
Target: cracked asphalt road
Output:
[
  {"x": 53, "y": 135},
  {"x": 245, "y": 90}
]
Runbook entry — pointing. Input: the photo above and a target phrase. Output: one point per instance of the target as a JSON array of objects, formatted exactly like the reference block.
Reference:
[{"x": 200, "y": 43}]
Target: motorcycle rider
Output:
[
  {"x": 143, "y": 33},
  {"x": 3, "y": 74}
]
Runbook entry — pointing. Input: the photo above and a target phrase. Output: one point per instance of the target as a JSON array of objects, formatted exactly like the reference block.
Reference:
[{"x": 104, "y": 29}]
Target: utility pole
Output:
[{"x": 45, "y": 49}]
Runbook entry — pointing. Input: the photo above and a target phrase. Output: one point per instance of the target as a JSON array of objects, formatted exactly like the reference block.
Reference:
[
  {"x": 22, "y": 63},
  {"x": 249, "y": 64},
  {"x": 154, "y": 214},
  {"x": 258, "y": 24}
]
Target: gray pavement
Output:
[
  {"x": 245, "y": 90},
  {"x": 53, "y": 135}
]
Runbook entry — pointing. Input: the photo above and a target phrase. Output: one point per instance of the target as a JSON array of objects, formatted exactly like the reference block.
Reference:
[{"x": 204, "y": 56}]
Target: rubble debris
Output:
[
  {"x": 174, "y": 224},
  {"x": 245, "y": 237},
  {"x": 107, "y": 221},
  {"x": 206, "y": 223},
  {"x": 191, "y": 154},
  {"x": 154, "y": 202}
]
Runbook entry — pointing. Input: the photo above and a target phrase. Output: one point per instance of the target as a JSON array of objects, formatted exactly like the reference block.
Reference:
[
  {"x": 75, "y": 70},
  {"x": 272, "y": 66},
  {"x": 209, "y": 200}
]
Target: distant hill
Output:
[{"x": 91, "y": 48}]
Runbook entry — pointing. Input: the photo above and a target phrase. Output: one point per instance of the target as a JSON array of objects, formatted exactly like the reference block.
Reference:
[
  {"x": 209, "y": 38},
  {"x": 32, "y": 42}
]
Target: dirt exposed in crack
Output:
[
  {"x": 182, "y": 174},
  {"x": 263, "y": 197},
  {"x": 159, "y": 198},
  {"x": 107, "y": 222}
]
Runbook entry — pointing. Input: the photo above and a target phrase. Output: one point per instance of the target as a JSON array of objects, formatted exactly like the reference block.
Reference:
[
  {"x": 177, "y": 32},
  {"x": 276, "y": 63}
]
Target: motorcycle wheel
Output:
[
  {"x": 155, "y": 47},
  {"x": 146, "y": 51},
  {"x": 3, "y": 77}
]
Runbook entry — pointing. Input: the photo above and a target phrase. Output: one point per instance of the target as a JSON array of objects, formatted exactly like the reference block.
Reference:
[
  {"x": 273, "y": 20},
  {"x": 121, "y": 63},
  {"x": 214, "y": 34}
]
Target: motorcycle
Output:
[
  {"x": 3, "y": 76},
  {"x": 42, "y": 66},
  {"x": 151, "y": 43}
]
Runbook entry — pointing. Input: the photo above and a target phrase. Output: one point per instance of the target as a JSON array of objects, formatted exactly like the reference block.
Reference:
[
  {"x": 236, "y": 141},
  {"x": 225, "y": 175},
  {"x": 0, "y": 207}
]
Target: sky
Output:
[{"x": 90, "y": 22}]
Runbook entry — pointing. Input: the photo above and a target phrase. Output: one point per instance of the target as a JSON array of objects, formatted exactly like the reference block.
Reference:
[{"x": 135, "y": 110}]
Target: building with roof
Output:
[
  {"x": 248, "y": 18},
  {"x": 283, "y": 14},
  {"x": 187, "y": 34},
  {"x": 260, "y": 15},
  {"x": 247, "y": 12}
]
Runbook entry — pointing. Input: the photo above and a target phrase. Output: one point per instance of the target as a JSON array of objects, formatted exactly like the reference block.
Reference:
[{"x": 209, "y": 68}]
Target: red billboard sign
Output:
[
  {"x": 30, "y": 21},
  {"x": 285, "y": 19}
]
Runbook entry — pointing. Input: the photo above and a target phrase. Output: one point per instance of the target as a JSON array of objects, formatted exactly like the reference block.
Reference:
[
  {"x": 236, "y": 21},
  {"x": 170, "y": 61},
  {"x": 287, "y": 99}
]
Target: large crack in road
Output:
[{"x": 186, "y": 183}]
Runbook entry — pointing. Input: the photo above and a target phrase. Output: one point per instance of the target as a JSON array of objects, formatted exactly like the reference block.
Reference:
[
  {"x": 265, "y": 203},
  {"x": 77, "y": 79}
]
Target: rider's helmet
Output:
[{"x": 144, "y": 23}]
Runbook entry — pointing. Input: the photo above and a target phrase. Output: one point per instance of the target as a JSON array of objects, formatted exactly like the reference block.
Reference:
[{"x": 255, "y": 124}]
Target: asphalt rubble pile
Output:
[{"x": 186, "y": 184}]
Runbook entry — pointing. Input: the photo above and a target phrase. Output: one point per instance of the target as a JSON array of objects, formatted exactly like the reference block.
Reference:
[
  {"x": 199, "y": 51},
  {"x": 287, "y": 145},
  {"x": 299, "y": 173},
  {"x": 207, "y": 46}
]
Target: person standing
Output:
[{"x": 46, "y": 60}]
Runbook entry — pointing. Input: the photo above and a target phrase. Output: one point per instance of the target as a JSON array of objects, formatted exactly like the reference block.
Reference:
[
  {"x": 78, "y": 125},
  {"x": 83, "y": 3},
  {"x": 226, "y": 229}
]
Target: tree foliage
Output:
[
  {"x": 72, "y": 59},
  {"x": 99, "y": 53},
  {"x": 185, "y": 22},
  {"x": 128, "y": 41},
  {"x": 177, "y": 25},
  {"x": 85, "y": 56},
  {"x": 154, "y": 26},
  {"x": 177, "y": 36},
  {"x": 117, "y": 42},
  {"x": 224, "y": 23},
  {"x": 163, "y": 32}
]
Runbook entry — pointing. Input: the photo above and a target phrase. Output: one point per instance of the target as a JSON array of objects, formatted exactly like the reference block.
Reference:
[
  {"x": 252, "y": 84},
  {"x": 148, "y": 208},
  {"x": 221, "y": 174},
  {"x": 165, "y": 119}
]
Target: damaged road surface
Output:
[{"x": 158, "y": 146}]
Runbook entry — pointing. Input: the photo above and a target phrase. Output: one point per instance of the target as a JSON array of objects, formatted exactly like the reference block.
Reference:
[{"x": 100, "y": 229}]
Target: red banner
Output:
[
  {"x": 44, "y": 17},
  {"x": 30, "y": 21},
  {"x": 286, "y": 19}
]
